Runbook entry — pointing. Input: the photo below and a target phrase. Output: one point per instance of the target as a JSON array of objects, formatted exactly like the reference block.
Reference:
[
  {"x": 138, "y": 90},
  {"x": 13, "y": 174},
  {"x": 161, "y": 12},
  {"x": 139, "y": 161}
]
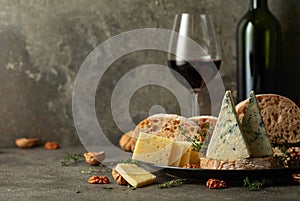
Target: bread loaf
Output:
[
  {"x": 281, "y": 117},
  {"x": 206, "y": 124},
  {"x": 247, "y": 163},
  {"x": 166, "y": 125}
]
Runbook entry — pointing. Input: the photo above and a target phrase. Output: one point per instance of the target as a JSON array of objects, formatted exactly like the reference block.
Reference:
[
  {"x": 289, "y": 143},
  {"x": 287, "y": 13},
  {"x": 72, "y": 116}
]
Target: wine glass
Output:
[{"x": 200, "y": 29}]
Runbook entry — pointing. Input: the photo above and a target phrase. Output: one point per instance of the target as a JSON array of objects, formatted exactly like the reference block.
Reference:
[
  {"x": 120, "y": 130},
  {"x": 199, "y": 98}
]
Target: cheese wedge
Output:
[
  {"x": 185, "y": 158},
  {"x": 134, "y": 175},
  {"x": 227, "y": 141},
  {"x": 153, "y": 149},
  {"x": 194, "y": 159},
  {"x": 255, "y": 131},
  {"x": 176, "y": 154}
]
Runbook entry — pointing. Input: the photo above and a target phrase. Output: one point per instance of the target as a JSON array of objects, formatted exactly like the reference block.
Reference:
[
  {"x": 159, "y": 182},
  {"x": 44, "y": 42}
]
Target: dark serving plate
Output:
[{"x": 275, "y": 175}]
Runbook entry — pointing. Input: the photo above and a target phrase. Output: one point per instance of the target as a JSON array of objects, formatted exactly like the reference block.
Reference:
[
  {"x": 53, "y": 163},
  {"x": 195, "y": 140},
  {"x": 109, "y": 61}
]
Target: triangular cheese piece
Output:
[
  {"x": 227, "y": 141},
  {"x": 255, "y": 131},
  {"x": 152, "y": 149},
  {"x": 176, "y": 153},
  {"x": 185, "y": 158}
]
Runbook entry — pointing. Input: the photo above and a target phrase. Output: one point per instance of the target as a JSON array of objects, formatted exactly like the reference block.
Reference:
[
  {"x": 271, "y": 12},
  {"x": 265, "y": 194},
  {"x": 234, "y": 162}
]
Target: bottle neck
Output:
[{"x": 258, "y": 4}]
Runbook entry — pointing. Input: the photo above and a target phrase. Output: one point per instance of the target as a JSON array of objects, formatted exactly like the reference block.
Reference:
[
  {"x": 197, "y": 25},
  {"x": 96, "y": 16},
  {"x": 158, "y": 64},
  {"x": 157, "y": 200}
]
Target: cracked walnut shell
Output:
[
  {"x": 118, "y": 178},
  {"x": 94, "y": 158},
  {"x": 26, "y": 142}
]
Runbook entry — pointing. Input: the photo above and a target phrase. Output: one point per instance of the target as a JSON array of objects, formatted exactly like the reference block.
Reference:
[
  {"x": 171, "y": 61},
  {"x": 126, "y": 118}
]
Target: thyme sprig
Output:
[
  {"x": 255, "y": 185},
  {"x": 71, "y": 157},
  {"x": 197, "y": 141},
  {"x": 288, "y": 157},
  {"x": 171, "y": 183}
]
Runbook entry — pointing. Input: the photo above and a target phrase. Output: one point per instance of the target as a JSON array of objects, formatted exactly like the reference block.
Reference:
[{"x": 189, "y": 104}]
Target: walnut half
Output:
[
  {"x": 118, "y": 178},
  {"x": 216, "y": 184},
  {"x": 127, "y": 141},
  {"x": 51, "y": 145},
  {"x": 98, "y": 180},
  {"x": 94, "y": 158},
  {"x": 26, "y": 142}
]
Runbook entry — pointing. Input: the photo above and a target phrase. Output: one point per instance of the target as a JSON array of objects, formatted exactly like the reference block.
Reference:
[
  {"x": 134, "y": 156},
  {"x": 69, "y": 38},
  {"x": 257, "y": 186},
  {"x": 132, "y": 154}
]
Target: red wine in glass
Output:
[
  {"x": 197, "y": 67},
  {"x": 189, "y": 71}
]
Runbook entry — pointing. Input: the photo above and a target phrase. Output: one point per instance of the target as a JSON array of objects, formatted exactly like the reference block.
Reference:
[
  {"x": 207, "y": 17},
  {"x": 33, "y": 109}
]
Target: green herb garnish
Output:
[
  {"x": 196, "y": 144},
  {"x": 171, "y": 183},
  {"x": 196, "y": 141},
  {"x": 288, "y": 158},
  {"x": 90, "y": 170},
  {"x": 71, "y": 157},
  {"x": 255, "y": 185}
]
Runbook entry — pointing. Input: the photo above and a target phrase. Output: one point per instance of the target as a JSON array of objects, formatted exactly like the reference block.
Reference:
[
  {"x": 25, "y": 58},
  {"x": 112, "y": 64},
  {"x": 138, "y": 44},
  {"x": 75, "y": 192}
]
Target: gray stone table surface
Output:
[{"x": 37, "y": 174}]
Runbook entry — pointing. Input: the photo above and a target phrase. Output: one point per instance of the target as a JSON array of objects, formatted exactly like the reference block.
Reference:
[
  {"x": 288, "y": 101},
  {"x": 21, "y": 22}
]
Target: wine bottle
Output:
[{"x": 258, "y": 51}]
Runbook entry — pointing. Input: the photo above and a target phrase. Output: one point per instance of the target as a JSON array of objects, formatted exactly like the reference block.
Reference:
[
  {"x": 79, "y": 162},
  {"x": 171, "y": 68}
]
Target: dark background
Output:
[{"x": 43, "y": 44}]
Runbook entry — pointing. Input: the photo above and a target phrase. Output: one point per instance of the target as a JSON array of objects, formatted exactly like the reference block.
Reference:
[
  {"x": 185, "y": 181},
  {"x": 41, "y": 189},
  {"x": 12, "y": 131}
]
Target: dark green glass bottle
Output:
[{"x": 258, "y": 51}]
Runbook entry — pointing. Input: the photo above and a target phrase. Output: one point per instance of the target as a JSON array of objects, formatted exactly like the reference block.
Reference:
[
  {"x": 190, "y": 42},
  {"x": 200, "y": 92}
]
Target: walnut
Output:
[
  {"x": 98, "y": 180},
  {"x": 118, "y": 178},
  {"x": 216, "y": 184},
  {"x": 296, "y": 177},
  {"x": 26, "y": 142},
  {"x": 191, "y": 165},
  {"x": 127, "y": 142},
  {"x": 94, "y": 158},
  {"x": 51, "y": 145}
]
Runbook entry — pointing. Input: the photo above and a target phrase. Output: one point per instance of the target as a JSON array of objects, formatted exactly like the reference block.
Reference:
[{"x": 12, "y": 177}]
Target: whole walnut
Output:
[
  {"x": 118, "y": 178},
  {"x": 216, "y": 184},
  {"x": 98, "y": 180},
  {"x": 51, "y": 145},
  {"x": 127, "y": 141}
]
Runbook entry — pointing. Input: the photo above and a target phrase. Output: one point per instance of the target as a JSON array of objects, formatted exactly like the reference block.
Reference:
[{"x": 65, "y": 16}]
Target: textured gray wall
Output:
[{"x": 44, "y": 42}]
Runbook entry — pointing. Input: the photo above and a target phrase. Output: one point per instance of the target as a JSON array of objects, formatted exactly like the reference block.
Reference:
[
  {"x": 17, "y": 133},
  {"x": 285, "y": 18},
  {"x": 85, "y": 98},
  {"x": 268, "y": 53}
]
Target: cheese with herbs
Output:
[
  {"x": 153, "y": 149},
  {"x": 134, "y": 175},
  {"x": 227, "y": 141},
  {"x": 255, "y": 131}
]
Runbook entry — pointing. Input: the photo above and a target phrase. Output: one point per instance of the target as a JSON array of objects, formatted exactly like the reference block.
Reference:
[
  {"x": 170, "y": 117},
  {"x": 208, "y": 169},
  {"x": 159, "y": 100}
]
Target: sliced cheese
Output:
[
  {"x": 185, "y": 158},
  {"x": 255, "y": 131},
  {"x": 176, "y": 154},
  {"x": 194, "y": 159},
  {"x": 152, "y": 149},
  {"x": 135, "y": 175},
  {"x": 227, "y": 141}
]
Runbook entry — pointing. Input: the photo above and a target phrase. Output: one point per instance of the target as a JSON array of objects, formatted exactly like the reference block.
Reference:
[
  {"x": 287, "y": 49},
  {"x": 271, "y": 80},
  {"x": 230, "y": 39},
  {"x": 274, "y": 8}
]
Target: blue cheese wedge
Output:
[
  {"x": 227, "y": 141},
  {"x": 255, "y": 131}
]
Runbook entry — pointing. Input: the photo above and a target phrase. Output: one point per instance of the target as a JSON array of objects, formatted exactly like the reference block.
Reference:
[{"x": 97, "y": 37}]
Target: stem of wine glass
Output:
[{"x": 195, "y": 108}]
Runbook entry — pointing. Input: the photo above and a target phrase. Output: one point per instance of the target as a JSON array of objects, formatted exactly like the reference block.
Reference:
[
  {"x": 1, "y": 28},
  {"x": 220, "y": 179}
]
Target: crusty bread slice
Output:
[
  {"x": 168, "y": 125},
  {"x": 281, "y": 117},
  {"x": 206, "y": 124},
  {"x": 247, "y": 163}
]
